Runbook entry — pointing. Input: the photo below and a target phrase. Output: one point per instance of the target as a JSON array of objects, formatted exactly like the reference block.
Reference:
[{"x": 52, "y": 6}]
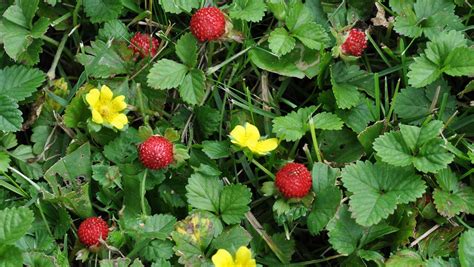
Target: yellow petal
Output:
[
  {"x": 243, "y": 258},
  {"x": 222, "y": 258},
  {"x": 118, "y": 120},
  {"x": 93, "y": 97},
  {"x": 238, "y": 135},
  {"x": 105, "y": 94},
  {"x": 96, "y": 117},
  {"x": 265, "y": 146},
  {"x": 251, "y": 132},
  {"x": 118, "y": 104}
]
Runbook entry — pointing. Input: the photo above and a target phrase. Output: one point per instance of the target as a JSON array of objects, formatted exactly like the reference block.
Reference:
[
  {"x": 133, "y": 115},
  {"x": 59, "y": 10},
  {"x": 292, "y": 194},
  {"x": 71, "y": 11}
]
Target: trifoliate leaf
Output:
[
  {"x": 428, "y": 154},
  {"x": 159, "y": 226},
  {"x": 294, "y": 125},
  {"x": 101, "y": 60},
  {"x": 452, "y": 197},
  {"x": 248, "y": 10},
  {"x": 178, "y": 6},
  {"x": 203, "y": 191},
  {"x": 216, "y": 149},
  {"x": 378, "y": 189},
  {"x": 347, "y": 81},
  {"x": 192, "y": 88},
  {"x": 466, "y": 248},
  {"x": 312, "y": 35},
  {"x": 166, "y": 74},
  {"x": 328, "y": 197},
  {"x": 20, "y": 82},
  {"x": 280, "y": 41},
  {"x": 234, "y": 202},
  {"x": 102, "y": 10},
  {"x": 344, "y": 233},
  {"x": 15, "y": 224},
  {"x": 10, "y": 114},
  {"x": 186, "y": 49},
  {"x": 327, "y": 121}
]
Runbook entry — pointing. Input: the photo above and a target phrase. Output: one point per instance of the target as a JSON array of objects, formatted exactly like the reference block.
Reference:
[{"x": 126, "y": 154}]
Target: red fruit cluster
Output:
[
  {"x": 355, "y": 43},
  {"x": 91, "y": 230},
  {"x": 144, "y": 45},
  {"x": 208, "y": 24},
  {"x": 156, "y": 152},
  {"x": 294, "y": 180}
]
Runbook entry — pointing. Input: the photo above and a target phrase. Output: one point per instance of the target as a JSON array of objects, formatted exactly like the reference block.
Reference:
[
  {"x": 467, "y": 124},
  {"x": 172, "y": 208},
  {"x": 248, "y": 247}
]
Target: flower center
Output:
[{"x": 104, "y": 110}]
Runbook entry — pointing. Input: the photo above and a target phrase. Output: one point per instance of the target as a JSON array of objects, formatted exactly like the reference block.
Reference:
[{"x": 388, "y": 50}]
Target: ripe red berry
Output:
[
  {"x": 294, "y": 180},
  {"x": 91, "y": 230},
  {"x": 156, "y": 152},
  {"x": 144, "y": 45},
  {"x": 355, "y": 43},
  {"x": 208, "y": 23}
]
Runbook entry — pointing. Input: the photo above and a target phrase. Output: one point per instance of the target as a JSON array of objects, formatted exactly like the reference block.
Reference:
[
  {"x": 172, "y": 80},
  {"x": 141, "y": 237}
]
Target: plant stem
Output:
[
  {"x": 265, "y": 170},
  {"x": 143, "y": 192},
  {"x": 35, "y": 185},
  {"x": 315, "y": 140},
  {"x": 317, "y": 261},
  {"x": 52, "y": 70},
  {"x": 211, "y": 70}
]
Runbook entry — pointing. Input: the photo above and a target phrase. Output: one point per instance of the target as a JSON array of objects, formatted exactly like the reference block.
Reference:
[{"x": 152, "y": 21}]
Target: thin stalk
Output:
[
  {"x": 35, "y": 185},
  {"x": 317, "y": 261},
  {"x": 442, "y": 107},
  {"x": 315, "y": 140},
  {"x": 377, "y": 96},
  {"x": 265, "y": 170},
  {"x": 143, "y": 192},
  {"x": 379, "y": 51},
  {"x": 38, "y": 204},
  {"x": 52, "y": 70},
  {"x": 211, "y": 70}
]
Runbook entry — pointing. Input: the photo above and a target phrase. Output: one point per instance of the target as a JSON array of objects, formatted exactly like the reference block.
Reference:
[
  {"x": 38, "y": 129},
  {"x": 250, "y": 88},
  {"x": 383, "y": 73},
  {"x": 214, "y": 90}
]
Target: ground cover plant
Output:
[{"x": 236, "y": 133}]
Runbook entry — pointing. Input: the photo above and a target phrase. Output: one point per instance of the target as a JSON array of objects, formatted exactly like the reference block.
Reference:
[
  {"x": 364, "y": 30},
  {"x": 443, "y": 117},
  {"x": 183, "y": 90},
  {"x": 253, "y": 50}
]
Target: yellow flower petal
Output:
[
  {"x": 118, "y": 104},
  {"x": 265, "y": 146},
  {"x": 96, "y": 117},
  {"x": 222, "y": 258},
  {"x": 243, "y": 258},
  {"x": 105, "y": 94},
  {"x": 118, "y": 120},
  {"x": 251, "y": 133},
  {"x": 238, "y": 136},
  {"x": 93, "y": 97}
]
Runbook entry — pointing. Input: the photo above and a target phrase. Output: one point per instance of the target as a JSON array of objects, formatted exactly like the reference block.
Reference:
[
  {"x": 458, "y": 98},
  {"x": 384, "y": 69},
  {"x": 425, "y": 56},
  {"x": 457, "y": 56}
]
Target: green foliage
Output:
[
  {"x": 15, "y": 224},
  {"x": 248, "y": 10},
  {"x": 102, "y": 10},
  {"x": 346, "y": 82},
  {"x": 178, "y": 6},
  {"x": 101, "y": 60},
  {"x": 465, "y": 250},
  {"x": 294, "y": 125}
]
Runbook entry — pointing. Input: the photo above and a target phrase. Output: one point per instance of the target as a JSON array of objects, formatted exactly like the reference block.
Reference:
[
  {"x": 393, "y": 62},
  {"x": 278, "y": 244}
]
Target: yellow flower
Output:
[
  {"x": 243, "y": 258},
  {"x": 249, "y": 137},
  {"x": 106, "y": 109}
]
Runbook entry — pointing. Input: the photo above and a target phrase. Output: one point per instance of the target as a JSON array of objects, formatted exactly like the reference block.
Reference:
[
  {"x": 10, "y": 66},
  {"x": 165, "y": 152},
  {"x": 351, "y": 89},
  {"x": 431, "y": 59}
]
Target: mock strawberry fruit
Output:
[
  {"x": 294, "y": 180},
  {"x": 156, "y": 152},
  {"x": 208, "y": 24},
  {"x": 144, "y": 45},
  {"x": 91, "y": 230},
  {"x": 355, "y": 43}
]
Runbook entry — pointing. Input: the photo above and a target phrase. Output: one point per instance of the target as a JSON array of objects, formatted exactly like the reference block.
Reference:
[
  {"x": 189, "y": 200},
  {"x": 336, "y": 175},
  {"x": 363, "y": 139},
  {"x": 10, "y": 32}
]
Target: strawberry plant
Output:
[{"x": 236, "y": 133}]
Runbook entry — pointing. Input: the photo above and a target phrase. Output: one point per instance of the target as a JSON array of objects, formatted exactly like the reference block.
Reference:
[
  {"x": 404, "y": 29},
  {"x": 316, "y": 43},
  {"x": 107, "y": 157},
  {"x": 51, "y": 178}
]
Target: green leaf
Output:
[
  {"x": 280, "y": 41},
  {"x": 19, "y": 82},
  {"x": 15, "y": 224},
  {"x": 358, "y": 117},
  {"x": 119, "y": 262},
  {"x": 340, "y": 146},
  {"x": 466, "y": 248},
  {"x": 234, "y": 202},
  {"x": 278, "y": 8},
  {"x": 460, "y": 61},
  {"x": 157, "y": 249},
  {"x": 192, "y": 88},
  {"x": 10, "y": 114},
  {"x": 423, "y": 72},
  {"x": 208, "y": 120},
  {"x": 186, "y": 50},
  {"x": 327, "y": 121},
  {"x": 4, "y": 161},
  {"x": 159, "y": 226},
  {"x": 368, "y": 136},
  {"x": 294, "y": 125},
  {"x": 232, "y": 239},
  {"x": 166, "y": 74},
  {"x": 328, "y": 197},
  {"x": 178, "y": 6},
  {"x": 114, "y": 29},
  {"x": 378, "y": 189},
  {"x": 216, "y": 149},
  {"x": 312, "y": 35},
  {"x": 102, "y": 10},
  {"x": 248, "y": 10},
  {"x": 123, "y": 149},
  {"x": 11, "y": 256},
  {"x": 203, "y": 191},
  {"x": 298, "y": 14},
  {"x": 346, "y": 81},
  {"x": 107, "y": 176},
  {"x": 344, "y": 233},
  {"x": 100, "y": 60},
  {"x": 415, "y": 137},
  {"x": 452, "y": 197},
  {"x": 405, "y": 258}
]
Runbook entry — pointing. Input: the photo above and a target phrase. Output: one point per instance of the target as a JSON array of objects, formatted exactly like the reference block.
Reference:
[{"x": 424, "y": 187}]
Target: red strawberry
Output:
[
  {"x": 208, "y": 24},
  {"x": 91, "y": 230},
  {"x": 156, "y": 152},
  {"x": 140, "y": 43},
  {"x": 355, "y": 43},
  {"x": 293, "y": 180}
]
